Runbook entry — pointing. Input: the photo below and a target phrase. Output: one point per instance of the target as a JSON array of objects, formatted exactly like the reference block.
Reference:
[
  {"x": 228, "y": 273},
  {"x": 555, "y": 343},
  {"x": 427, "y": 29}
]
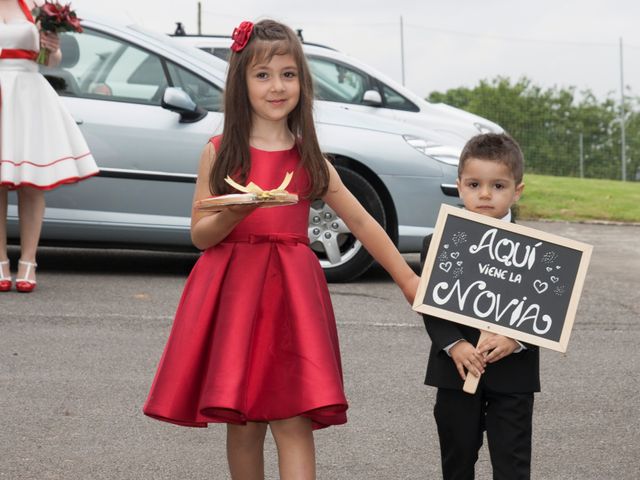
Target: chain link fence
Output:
[
  {"x": 562, "y": 132},
  {"x": 559, "y": 99}
]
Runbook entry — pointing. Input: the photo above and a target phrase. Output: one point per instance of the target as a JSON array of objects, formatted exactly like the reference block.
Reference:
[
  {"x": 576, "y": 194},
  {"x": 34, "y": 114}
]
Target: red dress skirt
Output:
[{"x": 254, "y": 337}]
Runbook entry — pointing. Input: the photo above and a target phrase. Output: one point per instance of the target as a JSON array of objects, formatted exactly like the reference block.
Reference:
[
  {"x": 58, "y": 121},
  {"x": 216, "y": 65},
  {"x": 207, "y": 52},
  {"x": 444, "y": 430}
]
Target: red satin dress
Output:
[{"x": 254, "y": 337}]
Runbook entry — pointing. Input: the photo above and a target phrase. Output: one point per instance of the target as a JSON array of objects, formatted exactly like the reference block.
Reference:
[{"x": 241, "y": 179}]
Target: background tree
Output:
[{"x": 548, "y": 124}]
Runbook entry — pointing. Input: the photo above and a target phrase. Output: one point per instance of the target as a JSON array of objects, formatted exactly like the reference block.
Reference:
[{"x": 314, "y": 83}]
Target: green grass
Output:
[{"x": 576, "y": 199}]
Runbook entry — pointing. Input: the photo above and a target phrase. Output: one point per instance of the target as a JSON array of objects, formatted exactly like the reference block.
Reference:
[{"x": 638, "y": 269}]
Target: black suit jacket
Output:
[{"x": 516, "y": 373}]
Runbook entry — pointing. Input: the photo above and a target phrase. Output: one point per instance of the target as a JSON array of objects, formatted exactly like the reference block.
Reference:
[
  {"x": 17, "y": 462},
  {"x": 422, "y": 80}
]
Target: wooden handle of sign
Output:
[{"x": 471, "y": 383}]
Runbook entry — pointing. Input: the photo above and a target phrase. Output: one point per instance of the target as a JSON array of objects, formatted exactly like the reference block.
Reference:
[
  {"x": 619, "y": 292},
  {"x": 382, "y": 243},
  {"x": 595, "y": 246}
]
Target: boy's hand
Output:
[
  {"x": 465, "y": 356},
  {"x": 497, "y": 347}
]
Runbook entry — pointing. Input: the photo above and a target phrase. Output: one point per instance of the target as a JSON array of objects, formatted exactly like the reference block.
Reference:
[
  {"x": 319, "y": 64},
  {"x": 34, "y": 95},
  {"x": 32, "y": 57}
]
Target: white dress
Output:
[{"x": 40, "y": 144}]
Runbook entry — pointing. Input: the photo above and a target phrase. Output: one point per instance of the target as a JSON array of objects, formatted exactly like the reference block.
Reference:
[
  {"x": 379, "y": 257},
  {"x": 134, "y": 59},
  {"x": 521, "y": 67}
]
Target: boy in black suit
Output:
[{"x": 490, "y": 182}]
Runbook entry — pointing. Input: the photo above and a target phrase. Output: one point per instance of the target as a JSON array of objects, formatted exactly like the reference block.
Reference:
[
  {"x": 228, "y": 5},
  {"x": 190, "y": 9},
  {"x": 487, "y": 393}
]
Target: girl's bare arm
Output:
[
  {"x": 371, "y": 234},
  {"x": 210, "y": 228}
]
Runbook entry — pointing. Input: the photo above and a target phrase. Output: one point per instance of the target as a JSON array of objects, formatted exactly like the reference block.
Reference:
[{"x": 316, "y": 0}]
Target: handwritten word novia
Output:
[{"x": 484, "y": 302}]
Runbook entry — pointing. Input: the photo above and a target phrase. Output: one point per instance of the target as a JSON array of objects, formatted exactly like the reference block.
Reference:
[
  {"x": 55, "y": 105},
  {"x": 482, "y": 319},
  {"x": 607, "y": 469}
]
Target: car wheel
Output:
[{"x": 341, "y": 255}]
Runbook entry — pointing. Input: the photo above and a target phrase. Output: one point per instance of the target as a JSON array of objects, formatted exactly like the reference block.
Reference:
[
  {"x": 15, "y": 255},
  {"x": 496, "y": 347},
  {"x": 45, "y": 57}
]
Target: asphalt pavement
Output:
[{"x": 78, "y": 355}]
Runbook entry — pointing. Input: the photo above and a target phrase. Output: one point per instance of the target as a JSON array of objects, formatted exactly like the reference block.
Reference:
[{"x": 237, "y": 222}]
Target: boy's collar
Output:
[{"x": 507, "y": 217}]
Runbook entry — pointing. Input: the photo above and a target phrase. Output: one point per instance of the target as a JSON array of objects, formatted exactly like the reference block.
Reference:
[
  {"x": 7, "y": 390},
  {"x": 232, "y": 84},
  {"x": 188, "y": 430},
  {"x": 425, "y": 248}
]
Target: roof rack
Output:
[
  {"x": 180, "y": 32},
  {"x": 195, "y": 35}
]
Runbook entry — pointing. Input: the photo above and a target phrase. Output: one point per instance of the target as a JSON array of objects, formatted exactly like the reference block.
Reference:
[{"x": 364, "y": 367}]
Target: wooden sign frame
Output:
[{"x": 561, "y": 345}]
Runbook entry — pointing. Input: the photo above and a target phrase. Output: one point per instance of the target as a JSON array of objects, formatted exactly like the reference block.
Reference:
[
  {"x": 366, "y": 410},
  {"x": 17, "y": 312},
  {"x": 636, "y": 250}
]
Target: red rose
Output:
[
  {"x": 65, "y": 11},
  {"x": 241, "y": 35},
  {"x": 55, "y": 17},
  {"x": 75, "y": 23},
  {"x": 50, "y": 9}
]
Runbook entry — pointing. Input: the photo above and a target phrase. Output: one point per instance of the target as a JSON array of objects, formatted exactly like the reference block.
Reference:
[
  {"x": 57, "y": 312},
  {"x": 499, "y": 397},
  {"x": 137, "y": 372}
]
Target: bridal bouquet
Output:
[{"x": 54, "y": 17}]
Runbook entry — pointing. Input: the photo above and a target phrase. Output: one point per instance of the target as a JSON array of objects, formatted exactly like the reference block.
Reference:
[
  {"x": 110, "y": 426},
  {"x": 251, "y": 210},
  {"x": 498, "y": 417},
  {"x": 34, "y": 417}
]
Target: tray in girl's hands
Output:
[{"x": 222, "y": 202}]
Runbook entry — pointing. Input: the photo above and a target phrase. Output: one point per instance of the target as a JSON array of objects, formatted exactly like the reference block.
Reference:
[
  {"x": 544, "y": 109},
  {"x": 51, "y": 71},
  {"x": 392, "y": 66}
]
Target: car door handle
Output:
[{"x": 79, "y": 121}]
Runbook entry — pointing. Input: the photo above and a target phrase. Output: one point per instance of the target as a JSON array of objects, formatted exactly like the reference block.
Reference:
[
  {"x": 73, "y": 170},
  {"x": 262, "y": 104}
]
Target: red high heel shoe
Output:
[
  {"x": 24, "y": 285},
  {"x": 5, "y": 282}
]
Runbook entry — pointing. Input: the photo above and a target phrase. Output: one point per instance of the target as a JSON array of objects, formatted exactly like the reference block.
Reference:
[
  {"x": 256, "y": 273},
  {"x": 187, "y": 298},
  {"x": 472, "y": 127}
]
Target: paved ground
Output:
[{"x": 77, "y": 358}]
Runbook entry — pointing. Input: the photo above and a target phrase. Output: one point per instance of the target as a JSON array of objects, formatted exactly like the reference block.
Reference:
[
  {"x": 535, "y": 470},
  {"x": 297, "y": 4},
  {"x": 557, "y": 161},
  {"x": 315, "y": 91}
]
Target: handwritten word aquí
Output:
[{"x": 506, "y": 250}]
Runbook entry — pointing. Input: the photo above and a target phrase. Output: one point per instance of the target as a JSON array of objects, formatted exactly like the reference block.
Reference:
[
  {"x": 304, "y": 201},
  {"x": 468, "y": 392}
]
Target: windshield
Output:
[{"x": 219, "y": 65}]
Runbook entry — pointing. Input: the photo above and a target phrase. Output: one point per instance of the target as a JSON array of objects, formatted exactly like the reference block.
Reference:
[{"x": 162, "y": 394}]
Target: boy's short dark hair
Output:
[{"x": 497, "y": 147}]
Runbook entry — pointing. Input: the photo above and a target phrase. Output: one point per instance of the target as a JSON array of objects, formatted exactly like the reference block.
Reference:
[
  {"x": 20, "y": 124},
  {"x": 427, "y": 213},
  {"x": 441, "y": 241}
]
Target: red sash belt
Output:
[
  {"x": 18, "y": 53},
  {"x": 286, "y": 238}
]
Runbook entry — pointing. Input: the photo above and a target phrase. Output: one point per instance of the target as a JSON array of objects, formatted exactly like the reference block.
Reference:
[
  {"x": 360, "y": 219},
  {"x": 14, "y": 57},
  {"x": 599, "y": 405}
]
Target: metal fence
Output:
[
  {"x": 561, "y": 132},
  {"x": 588, "y": 147},
  {"x": 566, "y": 109}
]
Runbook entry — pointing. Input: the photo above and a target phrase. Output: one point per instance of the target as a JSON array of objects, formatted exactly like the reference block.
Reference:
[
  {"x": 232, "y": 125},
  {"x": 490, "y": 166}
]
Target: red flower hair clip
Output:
[{"x": 241, "y": 35}]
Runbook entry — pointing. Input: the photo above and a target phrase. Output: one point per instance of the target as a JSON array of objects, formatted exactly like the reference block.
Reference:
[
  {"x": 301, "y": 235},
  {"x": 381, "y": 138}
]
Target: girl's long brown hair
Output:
[{"x": 233, "y": 157}]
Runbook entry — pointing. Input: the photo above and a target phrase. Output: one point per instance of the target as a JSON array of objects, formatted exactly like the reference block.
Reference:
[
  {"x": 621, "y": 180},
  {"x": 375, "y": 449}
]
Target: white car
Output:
[{"x": 353, "y": 85}]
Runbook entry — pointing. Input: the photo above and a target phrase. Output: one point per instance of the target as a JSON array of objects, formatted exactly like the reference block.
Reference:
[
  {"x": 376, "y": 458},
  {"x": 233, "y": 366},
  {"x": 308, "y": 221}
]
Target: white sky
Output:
[{"x": 447, "y": 44}]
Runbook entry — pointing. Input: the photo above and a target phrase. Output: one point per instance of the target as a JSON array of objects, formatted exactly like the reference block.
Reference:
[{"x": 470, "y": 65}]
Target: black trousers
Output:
[{"x": 462, "y": 418}]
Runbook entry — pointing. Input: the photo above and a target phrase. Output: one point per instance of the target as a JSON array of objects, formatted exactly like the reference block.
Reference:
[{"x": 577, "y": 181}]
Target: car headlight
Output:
[{"x": 442, "y": 153}]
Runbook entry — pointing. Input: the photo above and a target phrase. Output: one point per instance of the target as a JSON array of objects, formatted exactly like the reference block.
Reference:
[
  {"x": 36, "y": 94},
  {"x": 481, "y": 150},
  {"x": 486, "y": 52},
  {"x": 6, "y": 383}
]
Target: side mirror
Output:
[
  {"x": 372, "y": 98},
  {"x": 179, "y": 101}
]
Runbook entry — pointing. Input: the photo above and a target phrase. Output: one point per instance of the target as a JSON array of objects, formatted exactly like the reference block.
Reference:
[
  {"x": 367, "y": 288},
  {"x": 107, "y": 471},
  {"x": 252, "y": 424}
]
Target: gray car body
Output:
[{"x": 148, "y": 163}]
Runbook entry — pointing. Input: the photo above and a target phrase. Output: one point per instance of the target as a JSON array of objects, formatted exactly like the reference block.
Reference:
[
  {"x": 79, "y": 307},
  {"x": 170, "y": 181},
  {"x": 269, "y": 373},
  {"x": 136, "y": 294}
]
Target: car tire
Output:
[{"x": 341, "y": 255}]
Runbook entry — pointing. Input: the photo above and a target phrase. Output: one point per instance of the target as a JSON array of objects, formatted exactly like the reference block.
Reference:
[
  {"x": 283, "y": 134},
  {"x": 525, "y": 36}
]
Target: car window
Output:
[
  {"x": 337, "y": 82},
  {"x": 95, "y": 65},
  {"x": 205, "y": 94},
  {"x": 393, "y": 99},
  {"x": 223, "y": 53}
]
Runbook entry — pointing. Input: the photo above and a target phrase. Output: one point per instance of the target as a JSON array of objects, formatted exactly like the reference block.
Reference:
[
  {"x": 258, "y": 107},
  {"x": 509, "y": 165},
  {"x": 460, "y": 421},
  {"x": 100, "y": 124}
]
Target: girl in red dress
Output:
[{"x": 254, "y": 341}]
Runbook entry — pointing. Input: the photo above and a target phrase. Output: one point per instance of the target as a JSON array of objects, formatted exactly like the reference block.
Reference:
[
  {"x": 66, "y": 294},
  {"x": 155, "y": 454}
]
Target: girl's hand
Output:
[
  {"x": 465, "y": 356},
  {"x": 497, "y": 347},
  {"x": 50, "y": 41},
  {"x": 210, "y": 228},
  {"x": 233, "y": 212},
  {"x": 410, "y": 288},
  {"x": 242, "y": 211}
]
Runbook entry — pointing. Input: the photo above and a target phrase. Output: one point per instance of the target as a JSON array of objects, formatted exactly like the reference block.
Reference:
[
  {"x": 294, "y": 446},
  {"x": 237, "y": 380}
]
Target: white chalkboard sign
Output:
[{"x": 503, "y": 278}]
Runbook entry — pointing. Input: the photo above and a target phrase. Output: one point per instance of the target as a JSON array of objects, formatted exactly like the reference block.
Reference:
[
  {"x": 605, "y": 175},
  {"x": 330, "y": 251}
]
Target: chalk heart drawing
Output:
[
  {"x": 554, "y": 279},
  {"x": 459, "y": 262},
  {"x": 455, "y": 255},
  {"x": 540, "y": 286},
  {"x": 549, "y": 269},
  {"x": 446, "y": 266}
]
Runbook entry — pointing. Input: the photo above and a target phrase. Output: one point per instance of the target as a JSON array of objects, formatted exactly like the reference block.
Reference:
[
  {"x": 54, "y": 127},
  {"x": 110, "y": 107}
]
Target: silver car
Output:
[
  {"x": 147, "y": 106},
  {"x": 353, "y": 85}
]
